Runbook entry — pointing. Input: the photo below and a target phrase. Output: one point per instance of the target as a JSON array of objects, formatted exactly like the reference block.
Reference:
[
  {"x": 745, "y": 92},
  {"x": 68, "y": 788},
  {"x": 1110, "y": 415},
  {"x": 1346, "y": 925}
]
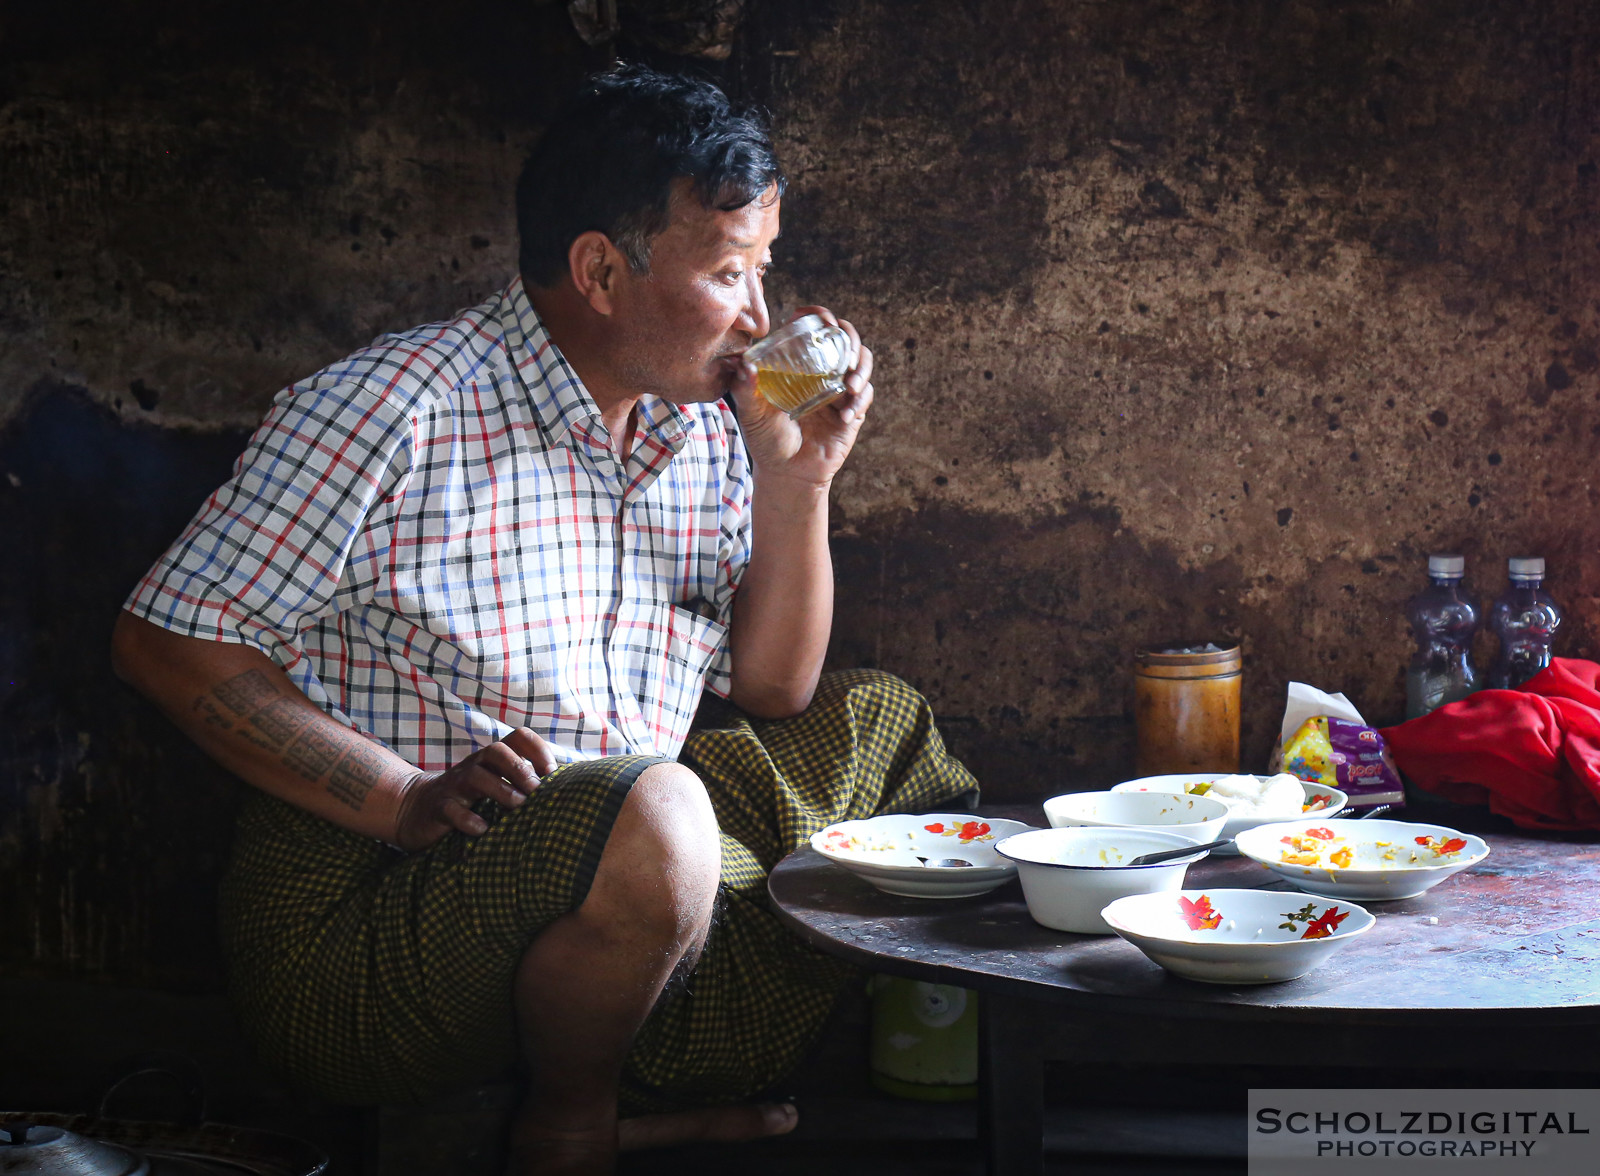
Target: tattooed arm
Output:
[{"x": 247, "y": 715}]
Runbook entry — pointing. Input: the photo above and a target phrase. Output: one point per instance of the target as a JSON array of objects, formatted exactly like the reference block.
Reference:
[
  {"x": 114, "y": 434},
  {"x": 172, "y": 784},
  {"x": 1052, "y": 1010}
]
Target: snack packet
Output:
[
  {"x": 1344, "y": 755},
  {"x": 1325, "y": 740}
]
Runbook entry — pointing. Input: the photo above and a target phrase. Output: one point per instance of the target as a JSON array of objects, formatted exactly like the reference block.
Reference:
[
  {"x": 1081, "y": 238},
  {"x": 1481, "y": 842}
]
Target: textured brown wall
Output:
[
  {"x": 1191, "y": 319},
  {"x": 1197, "y": 319}
]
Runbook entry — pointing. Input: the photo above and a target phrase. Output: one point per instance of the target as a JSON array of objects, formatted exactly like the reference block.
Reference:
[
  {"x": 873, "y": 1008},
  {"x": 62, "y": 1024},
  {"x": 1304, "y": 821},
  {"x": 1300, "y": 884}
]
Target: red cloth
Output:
[{"x": 1533, "y": 754}]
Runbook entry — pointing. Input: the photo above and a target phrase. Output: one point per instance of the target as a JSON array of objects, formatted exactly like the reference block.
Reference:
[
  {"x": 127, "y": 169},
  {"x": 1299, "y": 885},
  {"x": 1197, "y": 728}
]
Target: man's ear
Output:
[{"x": 594, "y": 263}]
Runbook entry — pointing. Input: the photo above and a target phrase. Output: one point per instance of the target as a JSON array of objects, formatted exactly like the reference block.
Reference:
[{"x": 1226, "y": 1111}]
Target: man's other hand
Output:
[
  {"x": 813, "y": 448},
  {"x": 504, "y": 772}
]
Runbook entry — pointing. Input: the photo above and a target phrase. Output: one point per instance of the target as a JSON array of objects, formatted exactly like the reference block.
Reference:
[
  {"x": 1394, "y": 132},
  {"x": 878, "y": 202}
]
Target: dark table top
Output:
[{"x": 1515, "y": 939}]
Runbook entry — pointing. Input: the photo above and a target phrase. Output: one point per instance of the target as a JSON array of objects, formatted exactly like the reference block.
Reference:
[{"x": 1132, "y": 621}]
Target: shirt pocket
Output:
[{"x": 660, "y": 654}]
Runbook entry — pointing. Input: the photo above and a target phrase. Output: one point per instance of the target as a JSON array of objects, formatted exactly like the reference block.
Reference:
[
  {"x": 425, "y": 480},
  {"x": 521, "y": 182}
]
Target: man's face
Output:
[{"x": 701, "y": 304}]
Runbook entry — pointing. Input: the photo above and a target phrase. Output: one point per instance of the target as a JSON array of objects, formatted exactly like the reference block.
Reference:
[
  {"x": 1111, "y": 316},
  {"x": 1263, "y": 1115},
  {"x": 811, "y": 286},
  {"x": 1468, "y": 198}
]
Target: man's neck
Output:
[
  {"x": 622, "y": 423},
  {"x": 571, "y": 329}
]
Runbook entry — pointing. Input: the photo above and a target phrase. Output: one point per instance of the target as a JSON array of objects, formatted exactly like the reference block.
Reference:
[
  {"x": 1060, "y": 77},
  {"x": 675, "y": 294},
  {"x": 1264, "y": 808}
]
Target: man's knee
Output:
[
  {"x": 670, "y": 803},
  {"x": 663, "y": 859}
]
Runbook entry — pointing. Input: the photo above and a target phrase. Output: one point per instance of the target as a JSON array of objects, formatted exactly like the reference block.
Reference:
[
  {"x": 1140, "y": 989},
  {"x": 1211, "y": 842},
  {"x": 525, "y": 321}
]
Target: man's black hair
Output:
[{"x": 609, "y": 159}]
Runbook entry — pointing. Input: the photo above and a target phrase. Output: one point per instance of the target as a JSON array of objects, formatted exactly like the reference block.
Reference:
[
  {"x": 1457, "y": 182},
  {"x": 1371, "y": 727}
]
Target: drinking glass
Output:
[{"x": 801, "y": 367}]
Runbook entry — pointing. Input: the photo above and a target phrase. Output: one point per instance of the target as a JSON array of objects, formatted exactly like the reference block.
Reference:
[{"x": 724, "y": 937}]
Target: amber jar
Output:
[{"x": 1186, "y": 710}]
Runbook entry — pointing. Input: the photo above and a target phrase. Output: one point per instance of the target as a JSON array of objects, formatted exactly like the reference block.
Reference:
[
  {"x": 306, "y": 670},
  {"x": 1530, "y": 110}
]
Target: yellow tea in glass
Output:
[{"x": 801, "y": 367}]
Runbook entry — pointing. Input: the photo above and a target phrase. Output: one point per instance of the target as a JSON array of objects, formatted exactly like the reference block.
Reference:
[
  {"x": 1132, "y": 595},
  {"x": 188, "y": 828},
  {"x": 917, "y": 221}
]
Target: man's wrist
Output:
[
  {"x": 370, "y": 785},
  {"x": 793, "y": 493},
  {"x": 386, "y": 806}
]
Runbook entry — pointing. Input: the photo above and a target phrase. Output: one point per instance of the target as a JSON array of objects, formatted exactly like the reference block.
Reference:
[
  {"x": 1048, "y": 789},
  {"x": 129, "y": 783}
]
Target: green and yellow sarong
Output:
[{"x": 371, "y": 976}]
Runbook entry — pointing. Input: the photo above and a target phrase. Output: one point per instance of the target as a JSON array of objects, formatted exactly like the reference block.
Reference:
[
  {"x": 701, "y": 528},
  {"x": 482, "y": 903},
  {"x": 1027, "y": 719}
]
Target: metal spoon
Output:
[
  {"x": 1167, "y": 855},
  {"x": 944, "y": 863}
]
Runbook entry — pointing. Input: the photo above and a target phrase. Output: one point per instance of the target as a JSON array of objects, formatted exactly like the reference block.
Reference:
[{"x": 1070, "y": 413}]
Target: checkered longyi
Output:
[{"x": 375, "y": 977}]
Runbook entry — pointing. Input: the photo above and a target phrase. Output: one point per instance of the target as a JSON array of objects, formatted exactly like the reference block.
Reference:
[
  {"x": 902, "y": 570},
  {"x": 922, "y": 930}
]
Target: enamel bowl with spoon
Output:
[{"x": 1069, "y": 875}]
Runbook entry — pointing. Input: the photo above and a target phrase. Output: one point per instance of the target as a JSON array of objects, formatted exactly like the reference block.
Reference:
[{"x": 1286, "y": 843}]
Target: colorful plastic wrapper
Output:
[{"x": 1346, "y": 756}]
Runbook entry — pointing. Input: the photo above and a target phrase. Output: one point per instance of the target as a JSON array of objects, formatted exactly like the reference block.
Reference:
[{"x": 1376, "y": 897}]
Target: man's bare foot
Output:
[
  {"x": 540, "y": 1150},
  {"x": 708, "y": 1125},
  {"x": 562, "y": 1154}
]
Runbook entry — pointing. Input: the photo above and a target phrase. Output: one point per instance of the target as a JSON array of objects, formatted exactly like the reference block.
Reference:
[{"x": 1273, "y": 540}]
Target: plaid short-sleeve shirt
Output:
[{"x": 435, "y": 540}]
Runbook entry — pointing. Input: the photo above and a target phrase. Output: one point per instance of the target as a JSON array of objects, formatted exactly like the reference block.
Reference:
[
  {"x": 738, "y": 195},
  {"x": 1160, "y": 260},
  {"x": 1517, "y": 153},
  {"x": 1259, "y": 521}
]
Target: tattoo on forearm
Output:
[
  {"x": 280, "y": 719},
  {"x": 312, "y": 754},
  {"x": 275, "y": 716},
  {"x": 256, "y": 738},
  {"x": 210, "y": 715},
  {"x": 354, "y": 777},
  {"x": 279, "y": 723},
  {"x": 249, "y": 692}
]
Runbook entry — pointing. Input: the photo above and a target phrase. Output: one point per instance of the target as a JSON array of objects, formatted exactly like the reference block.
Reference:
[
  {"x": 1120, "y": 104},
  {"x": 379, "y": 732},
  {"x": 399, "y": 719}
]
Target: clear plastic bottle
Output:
[
  {"x": 1443, "y": 622},
  {"x": 1525, "y": 619}
]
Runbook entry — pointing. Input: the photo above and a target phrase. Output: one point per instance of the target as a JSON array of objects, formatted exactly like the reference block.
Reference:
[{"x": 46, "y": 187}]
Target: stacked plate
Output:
[{"x": 1320, "y": 800}]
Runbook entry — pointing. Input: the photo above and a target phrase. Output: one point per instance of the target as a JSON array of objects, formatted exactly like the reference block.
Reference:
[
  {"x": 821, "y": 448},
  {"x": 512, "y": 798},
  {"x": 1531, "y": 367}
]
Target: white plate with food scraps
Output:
[
  {"x": 1236, "y": 936},
  {"x": 1318, "y": 801},
  {"x": 901, "y": 854},
  {"x": 1370, "y": 860}
]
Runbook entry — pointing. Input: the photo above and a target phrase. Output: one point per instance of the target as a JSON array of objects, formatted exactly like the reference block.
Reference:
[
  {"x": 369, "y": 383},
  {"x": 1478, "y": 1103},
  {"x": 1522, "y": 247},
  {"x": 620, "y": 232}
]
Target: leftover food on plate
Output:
[
  {"x": 933, "y": 855},
  {"x": 839, "y": 840},
  {"x": 1307, "y": 847},
  {"x": 1367, "y": 859},
  {"x": 963, "y": 831},
  {"x": 1275, "y": 798}
]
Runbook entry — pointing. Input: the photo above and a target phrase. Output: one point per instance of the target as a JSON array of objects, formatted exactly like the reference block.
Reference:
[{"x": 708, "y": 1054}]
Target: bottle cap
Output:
[
  {"x": 1446, "y": 565},
  {"x": 1527, "y": 568}
]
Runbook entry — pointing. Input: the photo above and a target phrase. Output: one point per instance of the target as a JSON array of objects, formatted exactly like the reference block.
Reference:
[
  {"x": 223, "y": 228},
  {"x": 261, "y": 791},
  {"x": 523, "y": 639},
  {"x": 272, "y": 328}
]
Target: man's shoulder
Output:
[{"x": 413, "y": 371}]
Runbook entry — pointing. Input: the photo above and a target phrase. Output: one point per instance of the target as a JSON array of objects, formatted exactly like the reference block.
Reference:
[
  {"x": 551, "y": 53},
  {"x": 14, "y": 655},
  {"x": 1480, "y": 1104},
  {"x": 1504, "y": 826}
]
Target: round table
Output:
[{"x": 1499, "y": 965}]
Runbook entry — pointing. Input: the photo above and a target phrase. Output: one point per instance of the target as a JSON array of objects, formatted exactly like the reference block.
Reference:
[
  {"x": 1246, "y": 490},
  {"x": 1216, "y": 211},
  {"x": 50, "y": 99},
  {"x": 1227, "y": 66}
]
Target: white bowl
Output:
[
  {"x": 1385, "y": 859},
  {"x": 1236, "y": 936},
  {"x": 1068, "y": 875},
  {"x": 889, "y": 852},
  {"x": 1199, "y": 818},
  {"x": 1321, "y": 801}
]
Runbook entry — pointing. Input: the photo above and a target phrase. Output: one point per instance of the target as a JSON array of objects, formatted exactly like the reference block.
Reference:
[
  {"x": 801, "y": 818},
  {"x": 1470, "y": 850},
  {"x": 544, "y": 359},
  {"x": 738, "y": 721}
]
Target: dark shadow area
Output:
[{"x": 113, "y": 827}]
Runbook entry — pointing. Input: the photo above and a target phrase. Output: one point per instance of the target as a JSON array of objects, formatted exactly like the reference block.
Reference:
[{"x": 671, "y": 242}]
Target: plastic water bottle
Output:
[
  {"x": 1525, "y": 619},
  {"x": 1443, "y": 621}
]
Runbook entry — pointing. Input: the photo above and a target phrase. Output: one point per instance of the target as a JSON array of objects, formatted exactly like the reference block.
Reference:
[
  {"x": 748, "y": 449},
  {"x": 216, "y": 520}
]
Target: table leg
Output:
[{"x": 1011, "y": 1087}]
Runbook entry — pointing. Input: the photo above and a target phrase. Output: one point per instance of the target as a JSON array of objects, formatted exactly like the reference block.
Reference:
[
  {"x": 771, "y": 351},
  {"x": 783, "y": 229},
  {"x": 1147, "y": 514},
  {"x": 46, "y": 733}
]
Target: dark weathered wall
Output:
[
  {"x": 1195, "y": 319},
  {"x": 1191, "y": 319}
]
